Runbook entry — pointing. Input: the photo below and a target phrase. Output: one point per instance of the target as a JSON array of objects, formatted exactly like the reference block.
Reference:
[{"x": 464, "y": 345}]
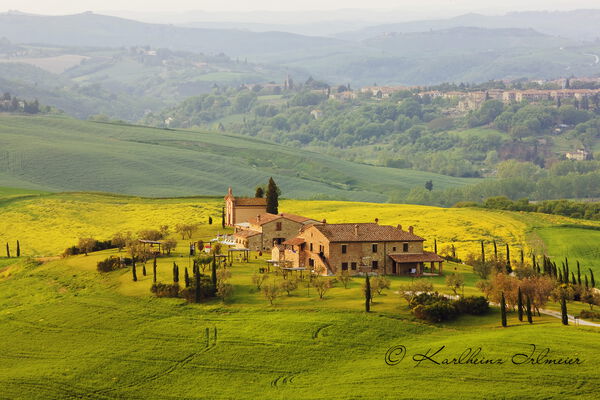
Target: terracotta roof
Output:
[
  {"x": 411, "y": 258},
  {"x": 294, "y": 241},
  {"x": 296, "y": 218},
  {"x": 246, "y": 233},
  {"x": 367, "y": 232},
  {"x": 250, "y": 201},
  {"x": 264, "y": 218},
  {"x": 267, "y": 217}
]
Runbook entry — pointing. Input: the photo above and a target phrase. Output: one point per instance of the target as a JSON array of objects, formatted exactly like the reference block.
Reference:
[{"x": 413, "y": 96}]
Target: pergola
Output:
[
  {"x": 151, "y": 243},
  {"x": 246, "y": 254}
]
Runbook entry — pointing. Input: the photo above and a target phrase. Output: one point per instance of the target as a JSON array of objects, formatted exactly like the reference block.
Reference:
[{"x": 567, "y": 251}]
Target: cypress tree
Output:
[
  {"x": 587, "y": 285},
  {"x": 482, "y": 253},
  {"x": 175, "y": 273},
  {"x": 508, "y": 266},
  {"x": 186, "y": 277},
  {"x": 495, "y": 250},
  {"x": 367, "y": 294},
  {"x": 528, "y": 310},
  {"x": 223, "y": 217},
  {"x": 272, "y": 197},
  {"x": 534, "y": 263},
  {"x": 7, "y": 250},
  {"x": 144, "y": 269},
  {"x": 592, "y": 280},
  {"x": 133, "y": 272},
  {"x": 197, "y": 292},
  {"x": 520, "y": 304},
  {"x": 213, "y": 273},
  {"x": 18, "y": 249},
  {"x": 563, "y": 310},
  {"x": 435, "y": 246},
  {"x": 154, "y": 269},
  {"x": 453, "y": 251},
  {"x": 560, "y": 277},
  {"x": 567, "y": 266},
  {"x": 260, "y": 192},
  {"x": 210, "y": 220},
  {"x": 573, "y": 281},
  {"x": 578, "y": 274},
  {"x": 522, "y": 257},
  {"x": 503, "y": 310}
]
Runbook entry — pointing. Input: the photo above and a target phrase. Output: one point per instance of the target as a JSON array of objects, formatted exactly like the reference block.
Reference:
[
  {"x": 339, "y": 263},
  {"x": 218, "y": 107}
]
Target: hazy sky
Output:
[{"x": 420, "y": 6}]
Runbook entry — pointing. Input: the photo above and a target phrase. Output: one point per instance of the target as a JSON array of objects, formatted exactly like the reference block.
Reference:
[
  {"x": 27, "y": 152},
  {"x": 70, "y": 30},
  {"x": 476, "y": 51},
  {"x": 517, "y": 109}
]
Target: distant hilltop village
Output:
[{"x": 303, "y": 243}]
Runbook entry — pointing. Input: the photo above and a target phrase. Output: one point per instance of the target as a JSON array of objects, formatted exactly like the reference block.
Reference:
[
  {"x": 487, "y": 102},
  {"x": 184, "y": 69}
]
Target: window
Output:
[
  {"x": 278, "y": 226},
  {"x": 344, "y": 266},
  {"x": 375, "y": 264},
  {"x": 311, "y": 262},
  {"x": 405, "y": 247},
  {"x": 394, "y": 248},
  {"x": 310, "y": 246},
  {"x": 321, "y": 248},
  {"x": 374, "y": 247},
  {"x": 353, "y": 266},
  {"x": 344, "y": 248}
]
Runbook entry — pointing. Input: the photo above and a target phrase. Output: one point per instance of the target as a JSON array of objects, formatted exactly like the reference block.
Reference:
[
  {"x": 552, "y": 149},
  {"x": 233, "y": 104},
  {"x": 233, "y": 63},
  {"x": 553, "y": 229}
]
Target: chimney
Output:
[
  {"x": 324, "y": 221},
  {"x": 399, "y": 227},
  {"x": 258, "y": 217},
  {"x": 377, "y": 220},
  {"x": 229, "y": 191},
  {"x": 356, "y": 229},
  {"x": 410, "y": 229}
]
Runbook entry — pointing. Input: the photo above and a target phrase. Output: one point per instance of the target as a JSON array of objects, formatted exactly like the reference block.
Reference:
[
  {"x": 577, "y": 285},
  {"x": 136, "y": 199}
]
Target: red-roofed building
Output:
[
  {"x": 367, "y": 247},
  {"x": 241, "y": 209}
]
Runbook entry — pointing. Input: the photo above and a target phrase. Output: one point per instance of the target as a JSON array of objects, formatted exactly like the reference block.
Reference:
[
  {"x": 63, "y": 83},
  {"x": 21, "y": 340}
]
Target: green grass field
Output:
[
  {"x": 63, "y": 154},
  {"x": 71, "y": 332}
]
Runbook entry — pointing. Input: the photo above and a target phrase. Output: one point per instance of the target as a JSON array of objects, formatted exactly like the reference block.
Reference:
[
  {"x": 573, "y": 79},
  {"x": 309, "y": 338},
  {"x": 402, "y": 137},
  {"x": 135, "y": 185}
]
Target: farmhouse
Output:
[
  {"x": 241, "y": 209},
  {"x": 366, "y": 247},
  {"x": 265, "y": 230}
]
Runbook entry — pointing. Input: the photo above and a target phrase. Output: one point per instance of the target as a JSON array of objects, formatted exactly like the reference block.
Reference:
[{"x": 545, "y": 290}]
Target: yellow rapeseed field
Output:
[{"x": 47, "y": 224}]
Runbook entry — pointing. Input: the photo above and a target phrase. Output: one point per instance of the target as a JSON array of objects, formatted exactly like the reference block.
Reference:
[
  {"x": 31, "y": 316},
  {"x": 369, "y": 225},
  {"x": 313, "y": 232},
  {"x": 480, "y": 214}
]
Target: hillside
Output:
[
  {"x": 57, "y": 153},
  {"x": 140, "y": 346}
]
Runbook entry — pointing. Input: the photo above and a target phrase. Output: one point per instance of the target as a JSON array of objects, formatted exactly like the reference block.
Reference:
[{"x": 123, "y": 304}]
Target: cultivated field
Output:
[{"x": 59, "y": 153}]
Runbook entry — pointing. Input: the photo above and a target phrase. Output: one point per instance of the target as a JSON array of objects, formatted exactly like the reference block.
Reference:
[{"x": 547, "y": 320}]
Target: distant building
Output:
[
  {"x": 241, "y": 209},
  {"x": 366, "y": 247},
  {"x": 578, "y": 155}
]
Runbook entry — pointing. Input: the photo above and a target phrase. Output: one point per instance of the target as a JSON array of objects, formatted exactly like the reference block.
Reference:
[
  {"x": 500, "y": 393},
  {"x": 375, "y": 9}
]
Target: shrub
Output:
[
  {"x": 474, "y": 305},
  {"x": 589, "y": 314},
  {"x": 165, "y": 289},
  {"x": 427, "y": 298},
  {"x": 110, "y": 264},
  {"x": 207, "y": 289},
  {"x": 437, "y": 311},
  {"x": 289, "y": 285}
]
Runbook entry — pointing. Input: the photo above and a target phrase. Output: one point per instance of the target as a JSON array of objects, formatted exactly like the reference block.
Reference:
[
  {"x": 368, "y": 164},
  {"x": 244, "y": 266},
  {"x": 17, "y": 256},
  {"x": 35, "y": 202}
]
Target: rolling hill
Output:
[{"x": 63, "y": 154}]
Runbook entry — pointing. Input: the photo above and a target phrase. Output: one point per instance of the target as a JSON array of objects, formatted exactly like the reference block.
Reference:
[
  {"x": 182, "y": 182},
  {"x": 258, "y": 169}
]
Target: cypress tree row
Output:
[
  {"x": 503, "y": 310},
  {"x": 133, "y": 272},
  {"x": 18, "y": 249},
  {"x": 592, "y": 280},
  {"x": 213, "y": 273},
  {"x": 7, "y": 250},
  {"x": 578, "y": 274},
  {"x": 186, "y": 277},
  {"x": 563, "y": 310},
  {"x": 154, "y": 270},
  {"x": 528, "y": 310},
  {"x": 520, "y": 304},
  {"x": 367, "y": 294}
]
